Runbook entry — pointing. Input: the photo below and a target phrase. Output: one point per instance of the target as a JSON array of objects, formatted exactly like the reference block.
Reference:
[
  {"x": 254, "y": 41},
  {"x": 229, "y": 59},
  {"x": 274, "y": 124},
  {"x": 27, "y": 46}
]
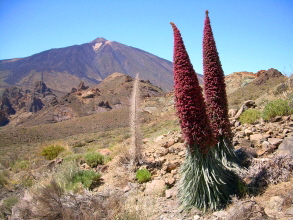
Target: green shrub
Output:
[
  {"x": 52, "y": 152},
  {"x": 143, "y": 175},
  {"x": 278, "y": 107},
  {"x": 94, "y": 159},
  {"x": 20, "y": 165},
  {"x": 250, "y": 116},
  {"x": 88, "y": 178},
  {"x": 73, "y": 157},
  {"x": 8, "y": 203},
  {"x": 4, "y": 177}
]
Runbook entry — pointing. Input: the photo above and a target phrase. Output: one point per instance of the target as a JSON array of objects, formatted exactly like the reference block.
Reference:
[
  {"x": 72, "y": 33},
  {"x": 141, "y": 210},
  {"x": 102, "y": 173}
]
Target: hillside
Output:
[
  {"x": 261, "y": 86},
  {"x": 41, "y": 106}
]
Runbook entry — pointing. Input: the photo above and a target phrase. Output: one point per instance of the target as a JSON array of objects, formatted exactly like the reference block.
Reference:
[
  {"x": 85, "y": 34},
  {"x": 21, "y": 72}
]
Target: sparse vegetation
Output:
[
  {"x": 51, "y": 152},
  {"x": 278, "y": 107},
  {"x": 94, "y": 159},
  {"x": 143, "y": 175},
  {"x": 250, "y": 116}
]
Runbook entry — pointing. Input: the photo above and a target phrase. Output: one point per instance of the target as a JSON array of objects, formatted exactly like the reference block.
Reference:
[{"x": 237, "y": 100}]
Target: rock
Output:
[
  {"x": 232, "y": 112},
  {"x": 105, "y": 152},
  {"x": 248, "y": 132},
  {"x": 276, "y": 119},
  {"x": 156, "y": 187},
  {"x": 85, "y": 166},
  {"x": 275, "y": 141},
  {"x": 35, "y": 104},
  {"x": 159, "y": 138},
  {"x": 81, "y": 86},
  {"x": 102, "y": 168},
  {"x": 170, "y": 181},
  {"x": 170, "y": 193},
  {"x": 161, "y": 152},
  {"x": 169, "y": 166},
  {"x": 265, "y": 144},
  {"x": 286, "y": 147},
  {"x": 41, "y": 88},
  {"x": 256, "y": 138},
  {"x": 221, "y": 214},
  {"x": 274, "y": 206}
]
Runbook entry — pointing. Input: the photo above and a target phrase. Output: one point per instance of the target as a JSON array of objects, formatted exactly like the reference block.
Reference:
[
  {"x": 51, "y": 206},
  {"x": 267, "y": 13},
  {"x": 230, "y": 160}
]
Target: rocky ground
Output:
[
  {"x": 268, "y": 147},
  {"x": 267, "y": 153}
]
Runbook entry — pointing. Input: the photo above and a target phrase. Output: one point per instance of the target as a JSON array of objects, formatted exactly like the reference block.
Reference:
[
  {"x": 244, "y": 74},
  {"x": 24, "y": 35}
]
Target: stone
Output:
[
  {"x": 159, "y": 138},
  {"x": 105, "y": 152},
  {"x": 286, "y": 147},
  {"x": 248, "y": 132},
  {"x": 161, "y": 152},
  {"x": 85, "y": 166},
  {"x": 275, "y": 141},
  {"x": 256, "y": 138},
  {"x": 156, "y": 187},
  {"x": 265, "y": 144},
  {"x": 275, "y": 205},
  {"x": 170, "y": 193},
  {"x": 170, "y": 181}
]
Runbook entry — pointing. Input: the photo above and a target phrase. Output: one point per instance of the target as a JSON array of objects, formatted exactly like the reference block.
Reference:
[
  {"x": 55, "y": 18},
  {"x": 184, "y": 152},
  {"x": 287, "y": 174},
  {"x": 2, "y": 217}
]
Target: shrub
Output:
[
  {"x": 88, "y": 178},
  {"x": 250, "y": 116},
  {"x": 7, "y": 205},
  {"x": 143, "y": 175},
  {"x": 73, "y": 157},
  {"x": 94, "y": 159},
  {"x": 4, "y": 176},
  {"x": 52, "y": 152},
  {"x": 20, "y": 165},
  {"x": 277, "y": 108}
]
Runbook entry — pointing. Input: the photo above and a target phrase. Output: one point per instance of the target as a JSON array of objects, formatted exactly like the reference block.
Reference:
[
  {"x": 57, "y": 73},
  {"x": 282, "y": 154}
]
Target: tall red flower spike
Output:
[
  {"x": 215, "y": 88},
  {"x": 190, "y": 104}
]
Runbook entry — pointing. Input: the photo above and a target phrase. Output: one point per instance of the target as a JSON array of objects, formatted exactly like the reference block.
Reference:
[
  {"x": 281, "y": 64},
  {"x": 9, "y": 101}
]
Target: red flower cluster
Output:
[
  {"x": 215, "y": 88},
  {"x": 189, "y": 100}
]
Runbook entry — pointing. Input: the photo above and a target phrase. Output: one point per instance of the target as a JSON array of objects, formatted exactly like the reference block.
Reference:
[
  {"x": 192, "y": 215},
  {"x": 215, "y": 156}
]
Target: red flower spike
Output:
[
  {"x": 215, "y": 88},
  {"x": 189, "y": 100}
]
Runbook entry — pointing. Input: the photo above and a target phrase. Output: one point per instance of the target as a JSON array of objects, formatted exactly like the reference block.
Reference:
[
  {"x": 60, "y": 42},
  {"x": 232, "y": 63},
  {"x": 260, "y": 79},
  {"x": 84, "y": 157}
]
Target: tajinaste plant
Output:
[
  {"x": 205, "y": 183},
  {"x": 135, "y": 150},
  {"x": 216, "y": 98}
]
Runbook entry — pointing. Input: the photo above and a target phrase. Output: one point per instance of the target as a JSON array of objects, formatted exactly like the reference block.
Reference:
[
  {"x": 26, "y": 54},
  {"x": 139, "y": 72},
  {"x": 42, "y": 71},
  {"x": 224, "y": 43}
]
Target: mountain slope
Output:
[{"x": 63, "y": 68}]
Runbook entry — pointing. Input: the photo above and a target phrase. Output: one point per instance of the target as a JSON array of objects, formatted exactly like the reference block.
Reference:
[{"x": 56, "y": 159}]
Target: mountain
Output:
[{"x": 63, "y": 68}]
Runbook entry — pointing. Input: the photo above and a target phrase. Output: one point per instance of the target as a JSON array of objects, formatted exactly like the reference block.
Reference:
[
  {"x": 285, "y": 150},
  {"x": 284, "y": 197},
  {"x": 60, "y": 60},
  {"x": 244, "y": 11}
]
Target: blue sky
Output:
[{"x": 250, "y": 34}]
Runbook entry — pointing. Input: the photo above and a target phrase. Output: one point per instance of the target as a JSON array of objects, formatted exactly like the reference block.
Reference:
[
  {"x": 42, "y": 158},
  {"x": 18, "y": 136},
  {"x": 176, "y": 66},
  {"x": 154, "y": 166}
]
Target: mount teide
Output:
[{"x": 64, "y": 68}]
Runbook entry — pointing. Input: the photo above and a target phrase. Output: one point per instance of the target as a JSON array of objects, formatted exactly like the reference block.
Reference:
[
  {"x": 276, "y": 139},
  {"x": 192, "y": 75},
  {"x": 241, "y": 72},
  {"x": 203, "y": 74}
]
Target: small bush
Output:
[
  {"x": 143, "y": 175},
  {"x": 73, "y": 157},
  {"x": 250, "y": 116},
  {"x": 277, "y": 108},
  {"x": 20, "y": 165},
  {"x": 7, "y": 205},
  {"x": 88, "y": 178},
  {"x": 94, "y": 159},
  {"x": 52, "y": 152},
  {"x": 4, "y": 177}
]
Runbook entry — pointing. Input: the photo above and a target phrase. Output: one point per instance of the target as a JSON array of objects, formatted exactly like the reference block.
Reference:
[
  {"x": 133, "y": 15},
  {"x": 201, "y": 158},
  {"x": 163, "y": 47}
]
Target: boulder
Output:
[
  {"x": 286, "y": 147},
  {"x": 275, "y": 141},
  {"x": 156, "y": 187},
  {"x": 256, "y": 138}
]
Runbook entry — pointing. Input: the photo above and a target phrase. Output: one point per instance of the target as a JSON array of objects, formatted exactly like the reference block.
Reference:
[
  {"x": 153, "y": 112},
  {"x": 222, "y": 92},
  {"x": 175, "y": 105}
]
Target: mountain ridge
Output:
[{"x": 62, "y": 68}]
